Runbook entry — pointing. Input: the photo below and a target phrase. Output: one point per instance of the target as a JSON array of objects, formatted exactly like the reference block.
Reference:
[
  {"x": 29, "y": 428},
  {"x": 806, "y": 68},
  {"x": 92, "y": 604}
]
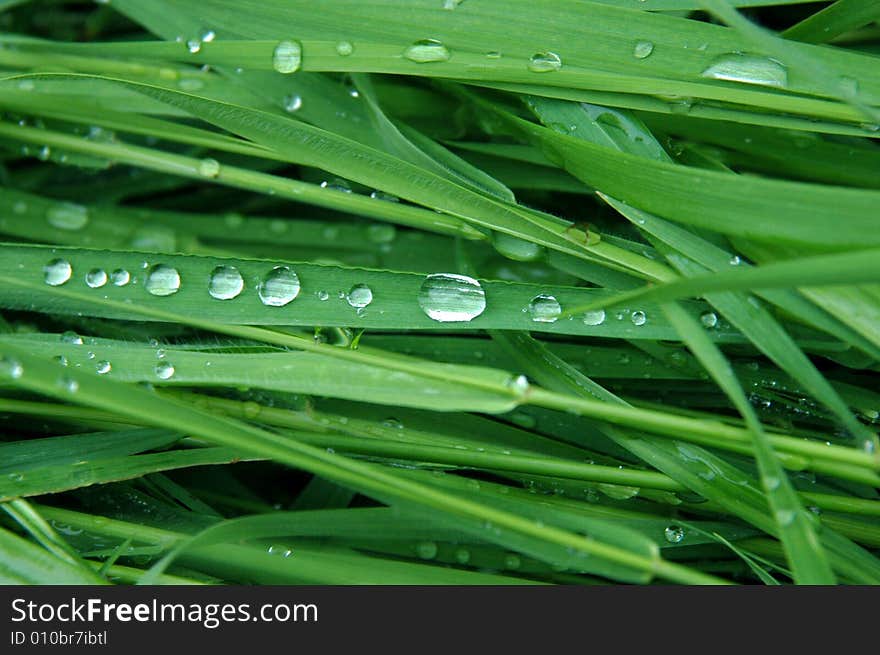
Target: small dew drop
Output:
[
  {"x": 359, "y": 296},
  {"x": 209, "y": 167},
  {"x": 545, "y": 62},
  {"x": 462, "y": 555},
  {"x": 426, "y": 550},
  {"x": 544, "y": 308},
  {"x": 293, "y": 103},
  {"x": 164, "y": 370},
  {"x": 517, "y": 249},
  {"x": 279, "y": 287},
  {"x": 344, "y": 48},
  {"x": 287, "y": 57},
  {"x": 709, "y": 319},
  {"x": 103, "y": 367},
  {"x": 643, "y": 49},
  {"x": 68, "y": 384},
  {"x": 120, "y": 277},
  {"x": 594, "y": 317},
  {"x": 427, "y": 51},
  {"x": 72, "y": 338},
  {"x": 448, "y": 297},
  {"x": 381, "y": 233},
  {"x": 162, "y": 280},
  {"x": 57, "y": 272},
  {"x": 11, "y": 368},
  {"x": 225, "y": 283},
  {"x": 96, "y": 278},
  {"x": 68, "y": 216},
  {"x": 381, "y": 195},
  {"x": 322, "y": 295},
  {"x": 638, "y": 318},
  {"x": 674, "y": 534}
]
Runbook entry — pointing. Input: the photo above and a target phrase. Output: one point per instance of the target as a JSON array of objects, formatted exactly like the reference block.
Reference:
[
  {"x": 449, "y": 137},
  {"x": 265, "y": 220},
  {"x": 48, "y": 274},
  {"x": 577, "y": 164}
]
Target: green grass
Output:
[{"x": 499, "y": 292}]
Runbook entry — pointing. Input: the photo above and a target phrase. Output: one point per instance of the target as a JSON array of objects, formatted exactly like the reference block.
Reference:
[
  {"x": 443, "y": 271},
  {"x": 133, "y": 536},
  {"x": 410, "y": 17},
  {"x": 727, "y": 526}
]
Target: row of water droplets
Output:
[{"x": 443, "y": 297}]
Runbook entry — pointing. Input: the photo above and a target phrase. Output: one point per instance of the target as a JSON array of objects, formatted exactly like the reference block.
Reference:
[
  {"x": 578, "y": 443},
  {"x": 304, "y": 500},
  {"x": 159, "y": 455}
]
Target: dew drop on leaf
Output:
[{"x": 448, "y": 297}]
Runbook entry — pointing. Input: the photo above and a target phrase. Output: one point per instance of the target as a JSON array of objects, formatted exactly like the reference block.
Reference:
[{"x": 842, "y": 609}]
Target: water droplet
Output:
[
  {"x": 322, "y": 295},
  {"x": 11, "y": 368},
  {"x": 643, "y": 49},
  {"x": 225, "y": 283},
  {"x": 386, "y": 197},
  {"x": 747, "y": 69},
  {"x": 61, "y": 360},
  {"x": 359, "y": 296},
  {"x": 772, "y": 483},
  {"x": 426, "y": 51},
  {"x": 709, "y": 319},
  {"x": 72, "y": 338},
  {"x": 638, "y": 318},
  {"x": 336, "y": 185},
  {"x": 512, "y": 562},
  {"x": 162, "y": 280},
  {"x": 515, "y": 248},
  {"x": 26, "y": 85},
  {"x": 785, "y": 517},
  {"x": 451, "y": 4},
  {"x": 381, "y": 233},
  {"x": 57, "y": 272},
  {"x": 120, "y": 277},
  {"x": 68, "y": 216},
  {"x": 279, "y": 287},
  {"x": 849, "y": 87},
  {"x": 462, "y": 555},
  {"x": 518, "y": 384},
  {"x": 209, "y": 167},
  {"x": 545, "y": 62},
  {"x": 448, "y": 297},
  {"x": 735, "y": 260},
  {"x": 193, "y": 46},
  {"x": 674, "y": 534},
  {"x": 544, "y": 308},
  {"x": 426, "y": 549},
  {"x": 164, "y": 370},
  {"x": 103, "y": 367},
  {"x": 293, "y": 103},
  {"x": 594, "y": 317},
  {"x": 68, "y": 384},
  {"x": 287, "y": 57},
  {"x": 96, "y": 278},
  {"x": 618, "y": 491},
  {"x": 494, "y": 54},
  {"x": 344, "y": 48},
  {"x": 191, "y": 84}
]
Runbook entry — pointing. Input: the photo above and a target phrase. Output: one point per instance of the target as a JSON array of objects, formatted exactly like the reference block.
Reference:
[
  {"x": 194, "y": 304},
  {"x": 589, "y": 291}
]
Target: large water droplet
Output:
[
  {"x": 448, "y": 297},
  {"x": 57, "y": 272},
  {"x": 545, "y": 62},
  {"x": 643, "y": 49},
  {"x": 544, "y": 309},
  {"x": 594, "y": 317},
  {"x": 359, "y": 296},
  {"x": 162, "y": 280},
  {"x": 225, "y": 283},
  {"x": 747, "y": 69},
  {"x": 287, "y": 57},
  {"x": 68, "y": 216},
  {"x": 515, "y": 248},
  {"x": 96, "y": 278},
  {"x": 164, "y": 370},
  {"x": 674, "y": 534},
  {"x": 709, "y": 319},
  {"x": 426, "y": 51},
  {"x": 279, "y": 287}
]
